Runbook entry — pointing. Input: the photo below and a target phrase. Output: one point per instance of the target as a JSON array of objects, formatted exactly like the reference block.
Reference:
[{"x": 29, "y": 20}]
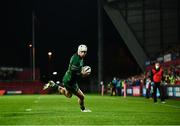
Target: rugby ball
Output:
[{"x": 86, "y": 70}]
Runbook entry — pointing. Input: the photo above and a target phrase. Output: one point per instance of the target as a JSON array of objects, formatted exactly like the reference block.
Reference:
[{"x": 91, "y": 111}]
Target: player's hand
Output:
[{"x": 84, "y": 74}]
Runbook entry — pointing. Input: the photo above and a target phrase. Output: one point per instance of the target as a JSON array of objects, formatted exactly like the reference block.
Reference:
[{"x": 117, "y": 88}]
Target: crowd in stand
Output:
[
  {"x": 171, "y": 77},
  {"x": 171, "y": 74},
  {"x": 171, "y": 71}
]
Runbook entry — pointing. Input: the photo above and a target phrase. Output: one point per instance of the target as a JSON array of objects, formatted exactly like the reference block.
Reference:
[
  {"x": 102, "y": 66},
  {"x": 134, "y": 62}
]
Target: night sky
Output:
[{"x": 60, "y": 26}]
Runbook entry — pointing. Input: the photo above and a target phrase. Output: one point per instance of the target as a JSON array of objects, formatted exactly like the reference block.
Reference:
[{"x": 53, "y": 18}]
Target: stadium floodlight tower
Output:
[
  {"x": 100, "y": 42},
  {"x": 33, "y": 45}
]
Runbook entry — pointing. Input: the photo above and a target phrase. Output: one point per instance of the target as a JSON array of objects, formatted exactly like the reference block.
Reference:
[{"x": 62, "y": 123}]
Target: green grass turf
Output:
[{"x": 106, "y": 110}]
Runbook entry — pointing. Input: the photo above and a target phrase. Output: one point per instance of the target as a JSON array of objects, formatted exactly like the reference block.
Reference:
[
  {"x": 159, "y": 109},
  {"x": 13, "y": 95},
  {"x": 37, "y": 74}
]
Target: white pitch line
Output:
[
  {"x": 36, "y": 101},
  {"x": 173, "y": 106},
  {"x": 29, "y": 109}
]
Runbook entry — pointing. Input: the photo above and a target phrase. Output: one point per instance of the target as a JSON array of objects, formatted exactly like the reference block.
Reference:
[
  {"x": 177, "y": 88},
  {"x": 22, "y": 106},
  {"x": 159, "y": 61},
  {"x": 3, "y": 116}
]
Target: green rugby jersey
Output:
[{"x": 74, "y": 70}]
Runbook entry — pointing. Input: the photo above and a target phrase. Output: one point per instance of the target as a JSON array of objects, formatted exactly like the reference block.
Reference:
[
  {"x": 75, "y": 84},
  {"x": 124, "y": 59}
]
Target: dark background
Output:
[{"x": 60, "y": 26}]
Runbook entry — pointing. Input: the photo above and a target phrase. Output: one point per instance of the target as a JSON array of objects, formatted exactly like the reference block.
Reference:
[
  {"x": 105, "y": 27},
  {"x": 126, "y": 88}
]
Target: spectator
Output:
[
  {"x": 113, "y": 86},
  {"x": 172, "y": 79},
  {"x": 118, "y": 87},
  {"x": 156, "y": 77},
  {"x": 148, "y": 87}
]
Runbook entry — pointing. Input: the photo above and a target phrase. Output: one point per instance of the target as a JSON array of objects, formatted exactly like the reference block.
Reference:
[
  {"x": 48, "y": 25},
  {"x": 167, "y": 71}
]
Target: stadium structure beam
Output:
[
  {"x": 127, "y": 35},
  {"x": 33, "y": 46},
  {"x": 100, "y": 41}
]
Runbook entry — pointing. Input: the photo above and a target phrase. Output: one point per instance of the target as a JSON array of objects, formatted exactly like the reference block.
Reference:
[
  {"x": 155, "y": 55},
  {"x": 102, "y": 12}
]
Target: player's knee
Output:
[{"x": 69, "y": 95}]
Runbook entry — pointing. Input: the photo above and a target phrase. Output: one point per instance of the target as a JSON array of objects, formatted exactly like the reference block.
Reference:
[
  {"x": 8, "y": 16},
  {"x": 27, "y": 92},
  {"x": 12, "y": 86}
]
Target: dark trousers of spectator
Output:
[
  {"x": 161, "y": 91},
  {"x": 118, "y": 90},
  {"x": 113, "y": 91},
  {"x": 148, "y": 90},
  {"x": 147, "y": 93}
]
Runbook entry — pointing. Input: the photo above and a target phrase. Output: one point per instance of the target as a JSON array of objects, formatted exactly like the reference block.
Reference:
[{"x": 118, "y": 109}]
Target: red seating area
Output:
[
  {"x": 2, "y": 92},
  {"x": 178, "y": 82},
  {"x": 26, "y": 87}
]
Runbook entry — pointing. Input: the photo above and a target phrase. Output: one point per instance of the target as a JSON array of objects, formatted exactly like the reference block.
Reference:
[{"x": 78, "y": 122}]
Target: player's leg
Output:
[
  {"x": 80, "y": 96},
  {"x": 65, "y": 92},
  {"x": 49, "y": 84},
  {"x": 60, "y": 89}
]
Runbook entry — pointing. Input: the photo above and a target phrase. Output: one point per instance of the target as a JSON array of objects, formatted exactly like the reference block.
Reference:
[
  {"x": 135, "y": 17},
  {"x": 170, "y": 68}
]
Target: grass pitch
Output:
[{"x": 106, "y": 110}]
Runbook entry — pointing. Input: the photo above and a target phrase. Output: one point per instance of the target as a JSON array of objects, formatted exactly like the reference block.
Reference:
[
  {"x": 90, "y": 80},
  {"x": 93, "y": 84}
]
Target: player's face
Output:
[{"x": 82, "y": 54}]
